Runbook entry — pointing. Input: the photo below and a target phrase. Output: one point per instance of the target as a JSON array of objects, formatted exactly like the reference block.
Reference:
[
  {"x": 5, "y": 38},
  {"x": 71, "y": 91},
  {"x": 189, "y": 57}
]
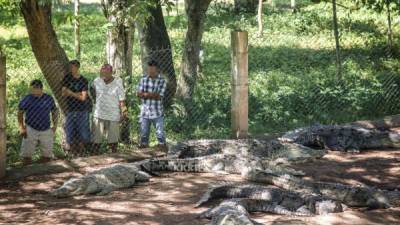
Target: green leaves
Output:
[
  {"x": 379, "y": 5},
  {"x": 138, "y": 10}
]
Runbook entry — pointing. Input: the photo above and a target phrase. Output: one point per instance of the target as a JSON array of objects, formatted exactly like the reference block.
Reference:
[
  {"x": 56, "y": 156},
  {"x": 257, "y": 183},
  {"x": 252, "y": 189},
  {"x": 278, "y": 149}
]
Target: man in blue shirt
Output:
[
  {"x": 151, "y": 91},
  {"x": 34, "y": 123}
]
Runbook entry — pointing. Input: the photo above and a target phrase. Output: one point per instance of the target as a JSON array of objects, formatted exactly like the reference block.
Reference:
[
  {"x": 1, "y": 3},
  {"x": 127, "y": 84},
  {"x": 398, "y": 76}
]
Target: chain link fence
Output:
[
  {"x": 77, "y": 119},
  {"x": 291, "y": 84},
  {"x": 294, "y": 85},
  {"x": 276, "y": 103}
]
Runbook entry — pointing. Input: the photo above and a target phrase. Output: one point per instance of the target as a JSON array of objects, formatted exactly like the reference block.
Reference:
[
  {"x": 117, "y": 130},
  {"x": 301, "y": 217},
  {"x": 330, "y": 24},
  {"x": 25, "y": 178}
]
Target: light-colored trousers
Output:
[{"x": 45, "y": 139}]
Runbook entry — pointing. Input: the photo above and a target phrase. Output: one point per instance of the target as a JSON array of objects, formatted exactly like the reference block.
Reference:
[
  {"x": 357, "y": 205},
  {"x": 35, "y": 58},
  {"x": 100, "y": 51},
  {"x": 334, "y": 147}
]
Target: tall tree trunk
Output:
[
  {"x": 77, "y": 30},
  {"x": 3, "y": 106},
  {"x": 259, "y": 18},
  {"x": 195, "y": 12},
  {"x": 155, "y": 44},
  {"x": 48, "y": 52},
  {"x": 119, "y": 43},
  {"x": 119, "y": 48},
  {"x": 336, "y": 33},
  {"x": 390, "y": 32}
]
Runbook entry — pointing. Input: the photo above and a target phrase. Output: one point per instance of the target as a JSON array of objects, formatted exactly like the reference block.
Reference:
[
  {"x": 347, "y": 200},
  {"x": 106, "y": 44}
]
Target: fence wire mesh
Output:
[
  {"x": 291, "y": 84},
  {"x": 283, "y": 97}
]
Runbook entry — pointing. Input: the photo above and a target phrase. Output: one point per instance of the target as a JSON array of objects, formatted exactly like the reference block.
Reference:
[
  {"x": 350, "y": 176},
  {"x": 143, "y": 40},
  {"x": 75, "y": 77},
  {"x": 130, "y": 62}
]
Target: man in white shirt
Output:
[{"x": 110, "y": 108}]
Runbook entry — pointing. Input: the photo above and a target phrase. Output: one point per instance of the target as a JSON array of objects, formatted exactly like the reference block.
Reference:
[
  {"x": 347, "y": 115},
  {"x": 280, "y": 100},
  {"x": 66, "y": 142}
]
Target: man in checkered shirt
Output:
[{"x": 151, "y": 91}]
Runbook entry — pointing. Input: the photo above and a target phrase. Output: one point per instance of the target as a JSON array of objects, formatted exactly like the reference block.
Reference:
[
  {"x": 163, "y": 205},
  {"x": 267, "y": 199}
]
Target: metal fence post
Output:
[
  {"x": 2, "y": 114},
  {"x": 240, "y": 86}
]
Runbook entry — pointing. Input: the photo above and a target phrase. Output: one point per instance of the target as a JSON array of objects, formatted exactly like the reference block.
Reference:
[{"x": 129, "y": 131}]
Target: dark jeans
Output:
[{"x": 77, "y": 127}]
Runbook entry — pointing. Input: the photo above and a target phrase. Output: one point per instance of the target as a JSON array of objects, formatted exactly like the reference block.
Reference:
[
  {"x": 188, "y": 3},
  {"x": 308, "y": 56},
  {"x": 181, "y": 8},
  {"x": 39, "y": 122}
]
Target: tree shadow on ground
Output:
[{"x": 378, "y": 168}]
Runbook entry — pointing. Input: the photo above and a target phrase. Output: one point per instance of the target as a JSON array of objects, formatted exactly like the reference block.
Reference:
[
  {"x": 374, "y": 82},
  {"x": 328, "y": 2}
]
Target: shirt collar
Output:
[{"x": 37, "y": 97}]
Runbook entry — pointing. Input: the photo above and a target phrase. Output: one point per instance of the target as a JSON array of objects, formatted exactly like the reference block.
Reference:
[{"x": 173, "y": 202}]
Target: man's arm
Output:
[
  {"x": 81, "y": 96},
  {"x": 21, "y": 123},
  {"x": 157, "y": 96},
  {"x": 149, "y": 95},
  {"x": 146, "y": 95}
]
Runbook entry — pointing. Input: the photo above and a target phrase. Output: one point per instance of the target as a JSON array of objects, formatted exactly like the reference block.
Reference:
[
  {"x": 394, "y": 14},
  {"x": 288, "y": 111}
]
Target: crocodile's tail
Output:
[{"x": 215, "y": 190}]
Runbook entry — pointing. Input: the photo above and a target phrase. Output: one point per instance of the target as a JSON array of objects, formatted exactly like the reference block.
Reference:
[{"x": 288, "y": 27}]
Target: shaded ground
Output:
[
  {"x": 374, "y": 168},
  {"x": 170, "y": 199}
]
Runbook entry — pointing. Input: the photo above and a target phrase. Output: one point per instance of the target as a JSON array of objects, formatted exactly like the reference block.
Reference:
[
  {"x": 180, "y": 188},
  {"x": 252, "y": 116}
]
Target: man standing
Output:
[
  {"x": 75, "y": 91},
  {"x": 35, "y": 127},
  {"x": 110, "y": 108},
  {"x": 151, "y": 90}
]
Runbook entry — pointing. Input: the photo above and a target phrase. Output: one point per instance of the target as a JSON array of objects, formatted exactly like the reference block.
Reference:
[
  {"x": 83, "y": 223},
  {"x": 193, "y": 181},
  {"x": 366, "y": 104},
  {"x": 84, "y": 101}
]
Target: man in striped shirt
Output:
[{"x": 151, "y": 91}]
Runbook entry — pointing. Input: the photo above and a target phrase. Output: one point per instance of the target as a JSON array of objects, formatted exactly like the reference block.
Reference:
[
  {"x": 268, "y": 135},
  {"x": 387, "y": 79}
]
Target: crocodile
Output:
[
  {"x": 102, "y": 181},
  {"x": 210, "y": 163},
  {"x": 232, "y": 164},
  {"x": 236, "y": 210},
  {"x": 125, "y": 175},
  {"x": 271, "y": 199},
  {"x": 227, "y": 213},
  {"x": 271, "y": 150},
  {"x": 356, "y": 196},
  {"x": 342, "y": 137}
]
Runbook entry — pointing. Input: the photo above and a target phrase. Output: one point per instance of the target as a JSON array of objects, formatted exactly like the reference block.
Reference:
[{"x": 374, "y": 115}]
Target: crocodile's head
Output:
[
  {"x": 378, "y": 201},
  {"x": 373, "y": 198},
  {"x": 141, "y": 176},
  {"x": 68, "y": 188}
]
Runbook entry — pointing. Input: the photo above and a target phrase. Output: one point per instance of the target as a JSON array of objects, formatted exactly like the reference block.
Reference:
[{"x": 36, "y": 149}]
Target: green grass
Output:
[{"x": 292, "y": 72}]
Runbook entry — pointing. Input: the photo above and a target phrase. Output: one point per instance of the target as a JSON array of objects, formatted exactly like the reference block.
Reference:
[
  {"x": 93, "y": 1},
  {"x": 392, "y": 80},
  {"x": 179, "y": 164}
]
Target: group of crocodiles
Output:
[{"x": 280, "y": 189}]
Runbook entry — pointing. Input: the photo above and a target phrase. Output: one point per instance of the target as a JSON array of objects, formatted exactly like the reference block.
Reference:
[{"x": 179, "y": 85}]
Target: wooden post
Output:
[
  {"x": 293, "y": 4},
  {"x": 2, "y": 114},
  {"x": 240, "y": 86}
]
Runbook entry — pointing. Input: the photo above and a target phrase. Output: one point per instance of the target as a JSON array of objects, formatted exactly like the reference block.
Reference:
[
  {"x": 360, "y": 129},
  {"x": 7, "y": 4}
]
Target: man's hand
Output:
[
  {"x": 143, "y": 94},
  {"x": 155, "y": 96},
  {"x": 149, "y": 95},
  {"x": 66, "y": 92},
  {"x": 22, "y": 132}
]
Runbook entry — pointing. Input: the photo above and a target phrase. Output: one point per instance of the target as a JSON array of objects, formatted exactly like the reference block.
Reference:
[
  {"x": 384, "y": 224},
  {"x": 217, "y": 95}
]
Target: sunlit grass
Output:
[{"x": 292, "y": 72}]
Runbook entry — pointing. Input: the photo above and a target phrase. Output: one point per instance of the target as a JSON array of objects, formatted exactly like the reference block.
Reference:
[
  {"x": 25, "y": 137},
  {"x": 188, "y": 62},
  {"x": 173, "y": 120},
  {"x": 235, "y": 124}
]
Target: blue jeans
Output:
[
  {"x": 145, "y": 130},
  {"x": 77, "y": 127}
]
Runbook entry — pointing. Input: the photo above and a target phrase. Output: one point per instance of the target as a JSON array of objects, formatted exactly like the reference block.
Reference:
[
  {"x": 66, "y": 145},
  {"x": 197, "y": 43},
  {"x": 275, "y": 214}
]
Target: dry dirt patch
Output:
[{"x": 170, "y": 199}]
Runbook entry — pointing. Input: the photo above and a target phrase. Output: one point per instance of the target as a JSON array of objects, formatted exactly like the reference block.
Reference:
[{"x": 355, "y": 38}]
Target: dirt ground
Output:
[{"x": 170, "y": 199}]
